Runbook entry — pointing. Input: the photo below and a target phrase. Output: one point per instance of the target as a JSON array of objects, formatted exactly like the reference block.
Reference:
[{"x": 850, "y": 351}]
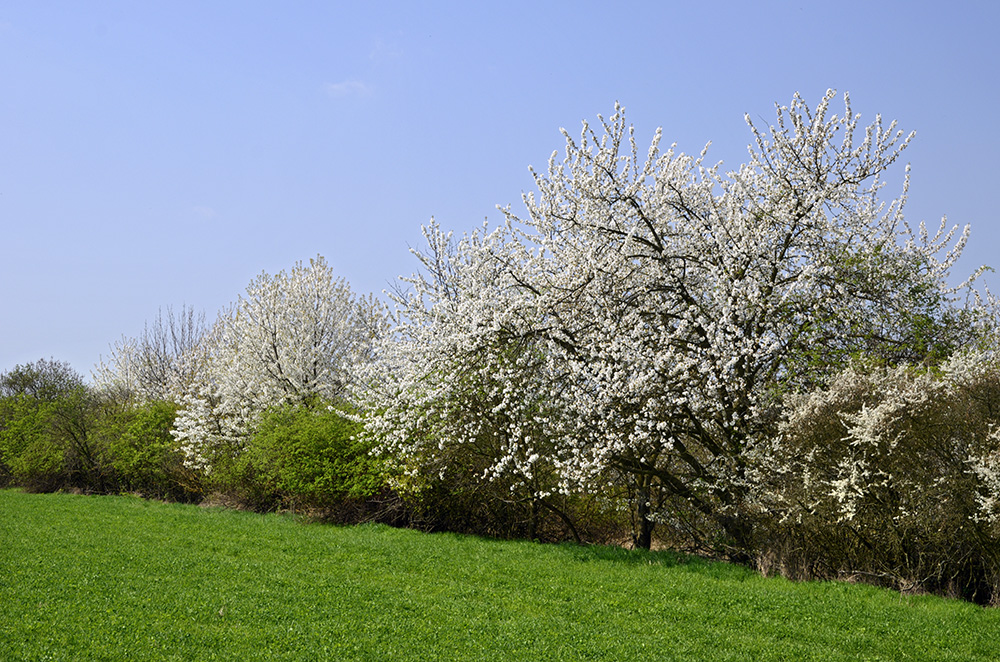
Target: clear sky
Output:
[{"x": 157, "y": 154}]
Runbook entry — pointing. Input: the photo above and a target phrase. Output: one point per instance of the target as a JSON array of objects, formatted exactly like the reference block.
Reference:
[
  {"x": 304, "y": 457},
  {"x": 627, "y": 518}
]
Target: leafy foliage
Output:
[
  {"x": 46, "y": 414},
  {"x": 137, "y": 446},
  {"x": 310, "y": 457}
]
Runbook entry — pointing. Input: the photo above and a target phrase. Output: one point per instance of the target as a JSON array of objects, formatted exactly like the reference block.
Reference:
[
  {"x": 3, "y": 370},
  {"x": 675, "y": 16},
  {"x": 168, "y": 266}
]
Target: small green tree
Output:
[
  {"x": 308, "y": 456},
  {"x": 46, "y": 415}
]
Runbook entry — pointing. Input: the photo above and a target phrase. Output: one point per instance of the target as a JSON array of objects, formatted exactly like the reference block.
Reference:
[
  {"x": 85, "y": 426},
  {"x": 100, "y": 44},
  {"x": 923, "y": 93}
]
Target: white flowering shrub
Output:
[
  {"x": 294, "y": 338},
  {"x": 889, "y": 472},
  {"x": 638, "y": 326}
]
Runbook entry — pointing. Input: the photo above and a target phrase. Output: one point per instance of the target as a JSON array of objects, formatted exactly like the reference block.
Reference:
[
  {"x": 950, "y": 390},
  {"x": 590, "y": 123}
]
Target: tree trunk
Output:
[
  {"x": 533, "y": 522},
  {"x": 642, "y": 529},
  {"x": 740, "y": 532}
]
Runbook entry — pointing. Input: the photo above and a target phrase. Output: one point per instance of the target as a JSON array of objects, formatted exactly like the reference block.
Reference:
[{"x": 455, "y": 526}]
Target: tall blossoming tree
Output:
[
  {"x": 293, "y": 338},
  {"x": 642, "y": 321}
]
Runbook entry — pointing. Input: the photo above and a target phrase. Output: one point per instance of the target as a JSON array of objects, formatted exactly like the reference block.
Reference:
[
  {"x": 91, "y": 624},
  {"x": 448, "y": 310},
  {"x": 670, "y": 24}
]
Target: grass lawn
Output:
[{"x": 119, "y": 578}]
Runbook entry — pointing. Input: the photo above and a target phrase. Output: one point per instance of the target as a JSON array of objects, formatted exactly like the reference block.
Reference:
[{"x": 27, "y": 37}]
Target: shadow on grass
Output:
[{"x": 663, "y": 558}]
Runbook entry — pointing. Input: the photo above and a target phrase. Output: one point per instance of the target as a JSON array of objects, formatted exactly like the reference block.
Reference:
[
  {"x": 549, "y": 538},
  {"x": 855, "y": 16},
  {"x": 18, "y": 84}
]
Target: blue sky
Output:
[{"x": 157, "y": 154}]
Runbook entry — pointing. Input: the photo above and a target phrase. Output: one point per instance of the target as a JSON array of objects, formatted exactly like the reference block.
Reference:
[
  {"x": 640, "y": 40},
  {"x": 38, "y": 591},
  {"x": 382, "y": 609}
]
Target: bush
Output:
[
  {"x": 138, "y": 448},
  {"x": 303, "y": 457},
  {"x": 29, "y": 454},
  {"x": 56, "y": 432},
  {"x": 876, "y": 478},
  {"x": 46, "y": 413}
]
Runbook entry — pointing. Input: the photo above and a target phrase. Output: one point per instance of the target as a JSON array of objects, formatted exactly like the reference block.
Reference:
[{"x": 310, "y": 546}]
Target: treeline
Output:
[
  {"x": 59, "y": 433},
  {"x": 767, "y": 365}
]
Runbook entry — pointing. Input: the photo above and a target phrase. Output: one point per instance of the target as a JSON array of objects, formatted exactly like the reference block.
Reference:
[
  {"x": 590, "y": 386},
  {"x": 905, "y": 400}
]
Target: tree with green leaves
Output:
[{"x": 46, "y": 417}]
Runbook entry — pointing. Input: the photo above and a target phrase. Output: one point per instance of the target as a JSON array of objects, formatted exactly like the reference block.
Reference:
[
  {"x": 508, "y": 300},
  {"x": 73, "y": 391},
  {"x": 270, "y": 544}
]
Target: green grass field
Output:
[{"x": 119, "y": 578}]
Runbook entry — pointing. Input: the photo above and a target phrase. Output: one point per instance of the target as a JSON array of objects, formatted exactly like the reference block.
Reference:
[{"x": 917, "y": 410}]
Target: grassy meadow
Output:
[{"x": 121, "y": 578}]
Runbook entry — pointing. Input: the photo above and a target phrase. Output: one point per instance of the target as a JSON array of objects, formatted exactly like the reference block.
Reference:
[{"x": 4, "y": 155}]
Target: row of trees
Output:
[
  {"x": 767, "y": 364},
  {"x": 252, "y": 406}
]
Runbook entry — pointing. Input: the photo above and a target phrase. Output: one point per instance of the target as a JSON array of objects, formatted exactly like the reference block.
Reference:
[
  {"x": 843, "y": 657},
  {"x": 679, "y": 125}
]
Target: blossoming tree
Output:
[
  {"x": 640, "y": 324},
  {"x": 292, "y": 338}
]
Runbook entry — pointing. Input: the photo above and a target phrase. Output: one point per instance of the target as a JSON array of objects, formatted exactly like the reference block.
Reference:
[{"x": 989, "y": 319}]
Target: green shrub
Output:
[
  {"x": 137, "y": 446},
  {"x": 57, "y": 432},
  {"x": 28, "y": 451},
  {"x": 307, "y": 457},
  {"x": 46, "y": 412}
]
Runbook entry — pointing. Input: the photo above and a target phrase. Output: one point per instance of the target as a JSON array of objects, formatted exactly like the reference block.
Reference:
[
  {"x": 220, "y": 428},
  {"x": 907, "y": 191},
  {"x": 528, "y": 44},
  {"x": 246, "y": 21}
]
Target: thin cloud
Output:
[
  {"x": 383, "y": 51},
  {"x": 204, "y": 212},
  {"x": 348, "y": 88}
]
